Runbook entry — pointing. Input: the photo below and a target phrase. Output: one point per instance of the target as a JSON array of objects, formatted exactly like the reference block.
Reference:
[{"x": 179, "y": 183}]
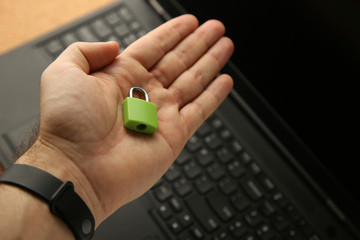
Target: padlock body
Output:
[{"x": 140, "y": 115}]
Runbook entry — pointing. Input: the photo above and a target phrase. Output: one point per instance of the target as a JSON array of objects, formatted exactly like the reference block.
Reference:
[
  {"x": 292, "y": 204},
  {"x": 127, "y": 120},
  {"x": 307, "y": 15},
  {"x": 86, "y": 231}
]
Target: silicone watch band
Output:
[{"x": 63, "y": 201}]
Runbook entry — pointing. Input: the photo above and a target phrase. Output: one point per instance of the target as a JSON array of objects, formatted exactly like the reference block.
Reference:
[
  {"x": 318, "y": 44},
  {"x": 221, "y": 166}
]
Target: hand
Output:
[{"x": 82, "y": 137}]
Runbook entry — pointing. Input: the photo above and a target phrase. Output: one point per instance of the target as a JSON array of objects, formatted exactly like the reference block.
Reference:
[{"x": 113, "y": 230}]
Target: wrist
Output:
[
  {"x": 19, "y": 208},
  {"x": 53, "y": 161}
]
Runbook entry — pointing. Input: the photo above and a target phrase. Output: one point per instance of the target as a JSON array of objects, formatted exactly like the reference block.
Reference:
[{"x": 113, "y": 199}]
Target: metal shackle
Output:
[{"x": 140, "y": 90}]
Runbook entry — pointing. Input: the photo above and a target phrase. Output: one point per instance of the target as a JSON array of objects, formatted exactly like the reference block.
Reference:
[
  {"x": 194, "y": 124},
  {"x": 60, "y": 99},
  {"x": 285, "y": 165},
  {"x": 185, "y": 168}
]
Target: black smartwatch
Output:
[{"x": 63, "y": 201}]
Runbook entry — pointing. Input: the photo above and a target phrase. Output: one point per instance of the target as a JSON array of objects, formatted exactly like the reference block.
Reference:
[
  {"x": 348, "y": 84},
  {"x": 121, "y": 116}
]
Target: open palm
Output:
[{"x": 81, "y": 105}]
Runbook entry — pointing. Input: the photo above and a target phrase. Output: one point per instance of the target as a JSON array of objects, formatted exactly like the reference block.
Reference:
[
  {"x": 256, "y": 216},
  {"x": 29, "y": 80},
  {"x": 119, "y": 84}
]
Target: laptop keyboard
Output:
[
  {"x": 215, "y": 190},
  {"x": 118, "y": 25}
]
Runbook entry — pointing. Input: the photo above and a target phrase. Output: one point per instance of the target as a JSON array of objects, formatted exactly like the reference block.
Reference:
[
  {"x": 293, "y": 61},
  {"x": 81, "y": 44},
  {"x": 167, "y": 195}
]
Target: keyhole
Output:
[{"x": 141, "y": 127}]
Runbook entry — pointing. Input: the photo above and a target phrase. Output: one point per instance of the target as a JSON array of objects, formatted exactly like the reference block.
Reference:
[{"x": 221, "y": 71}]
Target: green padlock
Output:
[{"x": 140, "y": 115}]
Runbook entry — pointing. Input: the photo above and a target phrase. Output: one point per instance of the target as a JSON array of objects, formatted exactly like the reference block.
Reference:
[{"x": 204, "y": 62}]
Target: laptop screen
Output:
[{"x": 303, "y": 57}]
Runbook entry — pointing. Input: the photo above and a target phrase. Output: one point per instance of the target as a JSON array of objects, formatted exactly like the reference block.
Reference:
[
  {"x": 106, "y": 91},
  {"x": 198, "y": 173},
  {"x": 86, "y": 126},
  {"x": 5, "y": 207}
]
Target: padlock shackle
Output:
[{"x": 140, "y": 90}]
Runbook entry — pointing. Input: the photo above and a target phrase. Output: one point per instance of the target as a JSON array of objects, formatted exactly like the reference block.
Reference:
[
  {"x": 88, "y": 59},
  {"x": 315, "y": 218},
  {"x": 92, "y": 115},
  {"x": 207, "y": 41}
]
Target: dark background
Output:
[{"x": 304, "y": 58}]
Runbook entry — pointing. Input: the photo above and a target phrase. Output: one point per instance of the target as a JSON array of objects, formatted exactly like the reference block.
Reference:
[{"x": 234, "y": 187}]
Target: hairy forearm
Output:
[{"x": 25, "y": 216}]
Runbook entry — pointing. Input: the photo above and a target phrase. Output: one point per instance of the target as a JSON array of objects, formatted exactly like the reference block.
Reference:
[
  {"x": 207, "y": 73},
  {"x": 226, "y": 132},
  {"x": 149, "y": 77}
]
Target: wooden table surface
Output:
[{"x": 24, "y": 20}]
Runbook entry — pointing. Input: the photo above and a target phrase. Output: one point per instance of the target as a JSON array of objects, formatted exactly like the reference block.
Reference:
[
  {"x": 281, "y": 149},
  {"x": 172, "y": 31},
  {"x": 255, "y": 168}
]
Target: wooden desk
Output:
[{"x": 24, "y": 20}]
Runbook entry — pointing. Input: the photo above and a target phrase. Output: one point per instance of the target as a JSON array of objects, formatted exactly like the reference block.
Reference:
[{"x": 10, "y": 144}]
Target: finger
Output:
[
  {"x": 187, "y": 52},
  {"x": 90, "y": 57},
  {"x": 193, "y": 81},
  {"x": 196, "y": 112},
  {"x": 154, "y": 45}
]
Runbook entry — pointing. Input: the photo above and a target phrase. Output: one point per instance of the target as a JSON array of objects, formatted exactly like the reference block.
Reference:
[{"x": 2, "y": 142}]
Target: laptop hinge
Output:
[{"x": 335, "y": 210}]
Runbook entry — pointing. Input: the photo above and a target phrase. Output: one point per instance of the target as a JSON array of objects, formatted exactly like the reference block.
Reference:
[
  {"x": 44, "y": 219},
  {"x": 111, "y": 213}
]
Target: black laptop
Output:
[{"x": 277, "y": 160}]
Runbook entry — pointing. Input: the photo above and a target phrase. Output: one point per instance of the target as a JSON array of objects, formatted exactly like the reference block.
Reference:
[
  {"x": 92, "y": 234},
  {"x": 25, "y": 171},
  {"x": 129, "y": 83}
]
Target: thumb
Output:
[{"x": 90, "y": 57}]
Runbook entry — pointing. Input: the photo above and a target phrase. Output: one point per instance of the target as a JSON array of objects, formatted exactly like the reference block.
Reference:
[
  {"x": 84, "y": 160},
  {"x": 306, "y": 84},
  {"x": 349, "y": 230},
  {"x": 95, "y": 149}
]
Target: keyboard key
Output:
[
  {"x": 216, "y": 123},
  {"x": 224, "y": 155},
  {"x": 174, "y": 226},
  {"x": 164, "y": 211},
  {"x": 223, "y": 236},
  {"x": 280, "y": 199},
  {"x": 86, "y": 35},
  {"x": 163, "y": 193},
  {"x": 172, "y": 174},
  {"x": 125, "y": 14},
  {"x": 237, "y": 229},
  {"x": 205, "y": 157},
  {"x": 197, "y": 233},
  {"x": 185, "y": 219},
  {"x": 204, "y": 185},
  {"x": 253, "y": 217},
  {"x": 293, "y": 234},
  {"x": 183, "y": 158},
  {"x": 250, "y": 237},
  {"x": 112, "y": 18},
  {"x": 220, "y": 206},
  {"x": 227, "y": 186},
  {"x": 101, "y": 29},
  {"x": 175, "y": 204},
  {"x": 135, "y": 26},
  {"x": 204, "y": 129},
  {"x": 183, "y": 187},
  {"x": 265, "y": 232},
  {"x": 54, "y": 47},
  {"x": 252, "y": 189},
  {"x": 121, "y": 30},
  {"x": 213, "y": 141},
  {"x": 245, "y": 158},
  {"x": 268, "y": 208},
  {"x": 254, "y": 168},
  {"x": 202, "y": 212},
  {"x": 216, "y": 171},
  {"x": 69, "y": 38},
  {"x": 236, "y": 147},
  {"x": 192, "y": 170},
  {"x": 225, "y": 134},
  {"x": 236, "y": 169},
  {"x": 194, "y": 143},
  {"x": 266, "y": 183}
]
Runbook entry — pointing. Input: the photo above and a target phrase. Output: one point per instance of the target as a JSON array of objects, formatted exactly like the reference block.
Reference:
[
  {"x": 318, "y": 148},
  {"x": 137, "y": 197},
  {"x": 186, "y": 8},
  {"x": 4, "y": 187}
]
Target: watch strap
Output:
[{"x": 63, "y": 201}]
